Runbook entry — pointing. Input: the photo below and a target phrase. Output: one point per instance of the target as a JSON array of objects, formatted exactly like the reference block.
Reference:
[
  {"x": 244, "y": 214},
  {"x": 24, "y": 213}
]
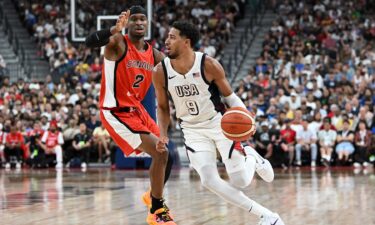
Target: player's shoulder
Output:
[
  {"x": 158, "y": 55},
  {"x": 211, "y": 65},
  {"x": 210, "y": 61}
]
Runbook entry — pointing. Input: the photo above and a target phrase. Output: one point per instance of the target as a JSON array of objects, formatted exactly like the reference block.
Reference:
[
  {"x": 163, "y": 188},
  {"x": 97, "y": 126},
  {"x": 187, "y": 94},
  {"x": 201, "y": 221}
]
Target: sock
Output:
[
  {"x": 260, "y": 210},
  {"x": 156, "y": 204}
]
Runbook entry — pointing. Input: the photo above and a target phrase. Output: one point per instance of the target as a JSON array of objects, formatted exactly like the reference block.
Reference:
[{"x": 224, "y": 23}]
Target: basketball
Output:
[{"x": 238, "y": 124}]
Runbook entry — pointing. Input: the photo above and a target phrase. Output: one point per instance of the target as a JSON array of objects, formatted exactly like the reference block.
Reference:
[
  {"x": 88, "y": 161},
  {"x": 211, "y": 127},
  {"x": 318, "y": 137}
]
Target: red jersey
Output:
[
  {"x": 15, "y": 138},
  {"x": 52, "y": 139},
  {"x": 289, "y": 135},
  {"x": 125, "y": 82}
]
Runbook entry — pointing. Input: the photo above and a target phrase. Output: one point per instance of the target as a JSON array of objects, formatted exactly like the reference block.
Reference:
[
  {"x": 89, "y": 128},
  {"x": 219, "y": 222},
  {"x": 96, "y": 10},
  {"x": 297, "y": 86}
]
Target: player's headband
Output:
[{"x": 137, "y": 9}]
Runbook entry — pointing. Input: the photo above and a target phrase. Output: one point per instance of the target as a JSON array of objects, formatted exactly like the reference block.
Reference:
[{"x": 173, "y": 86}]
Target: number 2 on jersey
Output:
[
  {"x": 138, "y": 79},
  {"x": 192, "y": 107}
]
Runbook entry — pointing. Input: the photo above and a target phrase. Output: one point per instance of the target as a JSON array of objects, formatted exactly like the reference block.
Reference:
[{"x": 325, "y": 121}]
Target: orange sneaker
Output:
[
  {"x": 160, "y": 216},
  {"x": 146, "y": 199}
]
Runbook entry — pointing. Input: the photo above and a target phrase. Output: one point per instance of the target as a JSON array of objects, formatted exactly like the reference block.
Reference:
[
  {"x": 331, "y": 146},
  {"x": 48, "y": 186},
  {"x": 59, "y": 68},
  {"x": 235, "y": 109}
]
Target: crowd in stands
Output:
[
  {"x": 312, "y": 87},
  {"x": 57, "y": 120}
]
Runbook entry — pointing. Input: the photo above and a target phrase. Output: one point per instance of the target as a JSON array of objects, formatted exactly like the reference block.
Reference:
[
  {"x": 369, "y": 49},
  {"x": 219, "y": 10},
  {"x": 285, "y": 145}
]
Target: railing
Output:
[
  {"x": 24, "y": 67},
  {"x": 247, "y": 37}
]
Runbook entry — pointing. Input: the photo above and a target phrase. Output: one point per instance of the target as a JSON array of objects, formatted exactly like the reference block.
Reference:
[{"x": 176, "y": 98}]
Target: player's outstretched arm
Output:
[
  {"x": 111, "y": 38},
  {"x": 163, "y": 113},
  {"x": 215, "y": 73}
]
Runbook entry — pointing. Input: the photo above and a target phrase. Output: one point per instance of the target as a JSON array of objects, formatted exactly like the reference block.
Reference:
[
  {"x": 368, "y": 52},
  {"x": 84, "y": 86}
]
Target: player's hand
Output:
[
  {"x": 122, "y": 21},
  {"x": 161, "y": 144}
]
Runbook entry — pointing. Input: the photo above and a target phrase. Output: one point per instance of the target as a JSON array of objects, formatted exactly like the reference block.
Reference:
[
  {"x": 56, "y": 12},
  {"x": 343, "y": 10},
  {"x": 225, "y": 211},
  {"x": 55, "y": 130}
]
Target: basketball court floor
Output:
[{"x": 102, "y": 196}]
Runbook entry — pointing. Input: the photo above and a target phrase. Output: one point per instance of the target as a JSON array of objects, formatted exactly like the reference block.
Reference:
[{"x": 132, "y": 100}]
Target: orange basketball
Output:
[{"x": 238, "y": 124}]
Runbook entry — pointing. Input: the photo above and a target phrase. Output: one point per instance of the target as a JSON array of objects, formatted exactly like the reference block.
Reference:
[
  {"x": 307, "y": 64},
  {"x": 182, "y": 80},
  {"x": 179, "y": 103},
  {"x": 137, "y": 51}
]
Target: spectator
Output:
[
  {"x": 51, "y": 143},
  {"x": 101, "y": 141},
  {"x": 80, "y": 147},
  {"x": 93, "y": 122},
  {"x": 363, "y": 144},
  {"x": 327, "y": 140},
  {"x": 289, "y": 139},
  {"x": 306, "y": 141},
  {"x": 35, "y": 149},
  {"x": 345, "y": 141},
  {"x": 68, "y": 134},
  {"x": 13, "y": 147},
  {"x": 263, "y": 141},
  {"x": 3, "y": 68}
]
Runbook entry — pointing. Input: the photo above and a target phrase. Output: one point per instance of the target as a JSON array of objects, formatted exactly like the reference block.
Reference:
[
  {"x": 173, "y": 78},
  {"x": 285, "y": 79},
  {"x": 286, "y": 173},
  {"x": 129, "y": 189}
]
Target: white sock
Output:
[
  {"x": 212, "y": 181},
  {"x": 259, "y": 210}
]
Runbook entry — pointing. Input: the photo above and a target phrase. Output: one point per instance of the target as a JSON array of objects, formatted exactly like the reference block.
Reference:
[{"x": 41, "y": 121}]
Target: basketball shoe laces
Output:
[{"x": 162, "y": 214}]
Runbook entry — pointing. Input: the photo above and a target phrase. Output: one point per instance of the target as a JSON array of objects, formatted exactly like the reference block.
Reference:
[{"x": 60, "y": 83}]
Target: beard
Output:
[{"x": 172, "y": 56}]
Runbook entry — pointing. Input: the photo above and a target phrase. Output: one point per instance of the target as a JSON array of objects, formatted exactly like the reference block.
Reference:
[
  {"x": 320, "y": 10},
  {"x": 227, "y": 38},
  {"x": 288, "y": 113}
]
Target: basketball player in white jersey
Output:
[{"x": 194, "y": 82}]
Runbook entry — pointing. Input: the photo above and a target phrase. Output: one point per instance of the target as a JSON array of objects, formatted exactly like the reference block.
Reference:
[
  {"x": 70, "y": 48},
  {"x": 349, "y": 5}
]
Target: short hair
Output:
[{"x": 187, "y": 30}]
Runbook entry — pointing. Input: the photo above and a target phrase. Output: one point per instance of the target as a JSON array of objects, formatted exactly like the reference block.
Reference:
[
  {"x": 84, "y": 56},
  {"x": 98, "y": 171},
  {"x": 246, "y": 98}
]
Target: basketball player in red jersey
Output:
[{"x": 126, "y": 78}]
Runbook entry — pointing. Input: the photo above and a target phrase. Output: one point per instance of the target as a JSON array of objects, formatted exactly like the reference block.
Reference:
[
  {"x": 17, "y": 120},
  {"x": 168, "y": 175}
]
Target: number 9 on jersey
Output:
[{"x": 192, "y": 107}]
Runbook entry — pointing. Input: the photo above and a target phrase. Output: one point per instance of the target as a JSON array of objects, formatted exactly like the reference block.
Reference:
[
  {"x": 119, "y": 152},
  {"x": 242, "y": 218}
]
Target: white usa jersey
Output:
[{"x": 195, "y": 99}]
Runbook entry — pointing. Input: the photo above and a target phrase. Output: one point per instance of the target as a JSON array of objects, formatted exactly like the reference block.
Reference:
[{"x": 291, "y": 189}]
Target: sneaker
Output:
[
  {"x": 160, "y": 216},
  {"x": 83, "y": 165},
  {"x": 271, "y": 220},
  {"x": 18, "y": 165},
  {"x": 146, "y": 198},
  {"x": 313, "y": 164},
  {"x": 298, "y": 163},
  {"x": 59, "y": 166},
  {"x": 7, "y": 166},
  {"x": 325, "y": 162},
  {"x": 366, "y": 164},
  {"x": 263, "y": 167},
  {"x": 357, "y": 165}
]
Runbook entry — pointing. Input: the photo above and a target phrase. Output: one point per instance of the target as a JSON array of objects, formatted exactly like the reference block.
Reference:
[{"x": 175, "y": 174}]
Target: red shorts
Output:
[{"x": 126, "y": 128}]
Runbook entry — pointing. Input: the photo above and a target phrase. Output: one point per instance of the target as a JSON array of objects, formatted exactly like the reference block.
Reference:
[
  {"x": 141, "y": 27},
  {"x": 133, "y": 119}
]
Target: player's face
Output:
[
  {"x": 137, "y": 25},
  {"x": 174, "y": 43}
]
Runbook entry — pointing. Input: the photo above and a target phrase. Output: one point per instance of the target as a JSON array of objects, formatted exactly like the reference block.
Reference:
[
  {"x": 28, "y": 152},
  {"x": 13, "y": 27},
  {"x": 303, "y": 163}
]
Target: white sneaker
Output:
[
  {"x": 18, "y": 165},
  {"x": 357, "y": 165},
  {"x": 83, "y": 165},
  {"x": 263, "y": 167},
  {"x": 59, "y": 166},
  {"x": 313, "y": 164},
  {"x": 7, "y": 166},
  {"x": 366, "y": 164},
  {"x": 271, "y": 220}
]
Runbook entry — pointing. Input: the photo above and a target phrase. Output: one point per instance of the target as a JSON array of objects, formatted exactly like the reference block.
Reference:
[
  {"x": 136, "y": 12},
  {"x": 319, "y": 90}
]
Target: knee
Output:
[
  {"x": 161, "y": 158},
  {"x": 208, "y": 183},
  {"x": 241, "y": 181}
]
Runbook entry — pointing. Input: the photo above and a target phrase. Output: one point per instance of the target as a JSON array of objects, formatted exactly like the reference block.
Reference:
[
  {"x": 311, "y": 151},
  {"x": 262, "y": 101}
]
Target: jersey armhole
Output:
[
  {"x": 165, "y": 74},
  {"x": 202, "y": 69}
]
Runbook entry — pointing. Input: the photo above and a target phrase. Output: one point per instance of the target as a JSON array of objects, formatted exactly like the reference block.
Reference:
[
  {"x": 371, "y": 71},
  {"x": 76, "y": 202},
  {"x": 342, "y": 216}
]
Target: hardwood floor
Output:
[{"x": 102, "y": 196}]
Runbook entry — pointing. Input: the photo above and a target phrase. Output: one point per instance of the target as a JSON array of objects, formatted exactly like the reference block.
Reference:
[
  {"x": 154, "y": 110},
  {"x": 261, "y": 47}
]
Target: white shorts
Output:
[{"x": 203, "y": 139}]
